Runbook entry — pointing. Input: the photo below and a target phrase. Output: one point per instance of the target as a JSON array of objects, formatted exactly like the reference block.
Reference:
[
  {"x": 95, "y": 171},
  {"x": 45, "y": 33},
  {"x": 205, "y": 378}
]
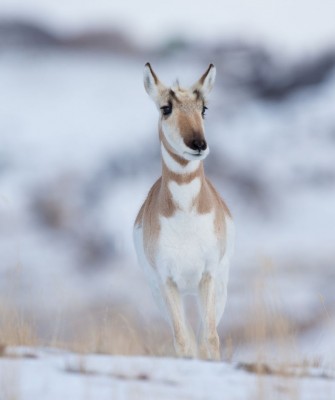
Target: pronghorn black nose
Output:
[{"x": 198, "y": 144}]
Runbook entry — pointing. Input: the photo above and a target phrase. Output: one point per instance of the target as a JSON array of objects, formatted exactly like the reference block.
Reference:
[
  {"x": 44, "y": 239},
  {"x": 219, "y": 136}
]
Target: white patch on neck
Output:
[
  {"x": 184, "y": 194},
  {"x": 177, "y": 168}
]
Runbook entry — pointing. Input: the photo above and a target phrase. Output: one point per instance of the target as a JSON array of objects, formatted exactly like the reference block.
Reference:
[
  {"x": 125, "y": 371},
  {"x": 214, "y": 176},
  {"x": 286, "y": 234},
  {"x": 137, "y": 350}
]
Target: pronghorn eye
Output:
[
  {"x": 167, "y": 110},
  {"x": 203, "y": 112}
]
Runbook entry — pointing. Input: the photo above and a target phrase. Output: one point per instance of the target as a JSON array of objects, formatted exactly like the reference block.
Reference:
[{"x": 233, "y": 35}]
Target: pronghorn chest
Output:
[
  {"x": 184, "y": 195},
  {"x": 187, "y": 243}
]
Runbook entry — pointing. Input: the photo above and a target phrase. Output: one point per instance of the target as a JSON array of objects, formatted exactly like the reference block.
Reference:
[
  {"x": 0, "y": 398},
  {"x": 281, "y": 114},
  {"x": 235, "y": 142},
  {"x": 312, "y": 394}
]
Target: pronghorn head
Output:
[{"x": 181, "y": 113}]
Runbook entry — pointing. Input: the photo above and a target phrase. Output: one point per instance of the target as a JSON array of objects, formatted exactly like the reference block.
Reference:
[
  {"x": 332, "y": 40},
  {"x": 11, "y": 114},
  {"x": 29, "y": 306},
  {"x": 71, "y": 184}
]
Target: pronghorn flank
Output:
[{"x": 184, "y": 233}]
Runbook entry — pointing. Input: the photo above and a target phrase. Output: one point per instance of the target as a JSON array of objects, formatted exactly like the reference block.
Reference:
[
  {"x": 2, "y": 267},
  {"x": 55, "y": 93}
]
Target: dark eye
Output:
[
  {"x": 203, "y": 112},
  {"x": 167, "y": 110}
]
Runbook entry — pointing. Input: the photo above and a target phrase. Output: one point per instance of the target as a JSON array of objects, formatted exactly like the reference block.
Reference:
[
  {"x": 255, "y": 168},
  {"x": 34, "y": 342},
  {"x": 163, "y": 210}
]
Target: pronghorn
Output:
[{"x": 184, "y": 232}]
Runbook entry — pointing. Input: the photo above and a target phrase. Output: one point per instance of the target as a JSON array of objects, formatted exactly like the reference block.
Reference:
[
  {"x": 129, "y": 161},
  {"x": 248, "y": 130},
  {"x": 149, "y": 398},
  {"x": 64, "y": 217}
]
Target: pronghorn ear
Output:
[
  {"x": 206, "y": 82},
  {"x": 152, "y": 84}
]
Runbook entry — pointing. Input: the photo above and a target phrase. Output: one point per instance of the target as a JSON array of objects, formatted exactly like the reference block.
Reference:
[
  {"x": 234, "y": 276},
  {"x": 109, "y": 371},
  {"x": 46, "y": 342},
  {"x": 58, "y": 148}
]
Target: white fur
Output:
[
  {"x": 151, "y": 274},
  {"x": 183, "y": 195},
  {"x": 230, "y": 238},
  {"x": 222, "y": 271},
  {"x": 187, "y": 246},
  {"x": 173, "y": 136}
]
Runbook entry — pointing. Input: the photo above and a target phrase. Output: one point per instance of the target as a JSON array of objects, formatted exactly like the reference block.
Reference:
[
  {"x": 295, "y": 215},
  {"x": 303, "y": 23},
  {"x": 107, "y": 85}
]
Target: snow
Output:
[{"x": 47, "y": 374}]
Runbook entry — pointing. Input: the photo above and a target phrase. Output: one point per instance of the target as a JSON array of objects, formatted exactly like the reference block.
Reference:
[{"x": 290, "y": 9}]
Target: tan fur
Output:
[
  {"x": 191, "y": 126},
  {"x": 181, "y": 179},
  {"x": 209, "y": 199},
  {"x": 209, "y": 345},
  {"x": 185, "y": 347},
  {"x": 187, "y": 113},
  {"x": 158, "y": 202}
]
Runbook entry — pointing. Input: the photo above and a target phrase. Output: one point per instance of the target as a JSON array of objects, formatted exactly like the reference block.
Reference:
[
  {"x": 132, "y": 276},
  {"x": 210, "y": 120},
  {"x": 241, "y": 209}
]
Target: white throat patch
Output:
[{"x": 185, "y": 194}]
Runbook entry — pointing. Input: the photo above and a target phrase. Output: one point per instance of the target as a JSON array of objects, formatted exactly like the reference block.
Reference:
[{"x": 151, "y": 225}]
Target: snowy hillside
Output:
[{"x": 308, "y": 25}]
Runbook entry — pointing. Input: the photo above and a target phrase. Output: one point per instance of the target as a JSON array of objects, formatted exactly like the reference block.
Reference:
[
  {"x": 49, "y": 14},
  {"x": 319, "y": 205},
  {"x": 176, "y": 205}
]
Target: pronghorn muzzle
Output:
[
  {"x": 198, "y": 145},
  {"x": 196, "y": 142}
]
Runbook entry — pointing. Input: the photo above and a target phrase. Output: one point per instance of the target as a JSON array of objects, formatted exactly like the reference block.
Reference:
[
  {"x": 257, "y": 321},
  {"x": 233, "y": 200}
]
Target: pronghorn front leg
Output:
[
  {"x": 183, "y": 340},
  {"x": 210, "y": 342}
]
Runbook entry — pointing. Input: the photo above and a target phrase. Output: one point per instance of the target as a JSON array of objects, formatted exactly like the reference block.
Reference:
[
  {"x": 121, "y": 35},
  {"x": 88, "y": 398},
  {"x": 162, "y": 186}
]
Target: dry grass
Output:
[
  {"x": 105, "y": 332},
  {"x": 266, "y": 328},
  {"x": 110, "y": 332},
  {"x": 267, "y": 323},
  {"x": 116, "y": 333},
  {"x": 274, "y": 336},
  {"x": 122, "y": 333},
  {"x": 15, "y": 327}
]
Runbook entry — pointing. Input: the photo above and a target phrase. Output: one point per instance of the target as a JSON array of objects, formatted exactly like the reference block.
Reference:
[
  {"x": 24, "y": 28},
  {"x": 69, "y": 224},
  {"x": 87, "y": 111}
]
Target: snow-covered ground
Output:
[{"x": 45, "y": 373}]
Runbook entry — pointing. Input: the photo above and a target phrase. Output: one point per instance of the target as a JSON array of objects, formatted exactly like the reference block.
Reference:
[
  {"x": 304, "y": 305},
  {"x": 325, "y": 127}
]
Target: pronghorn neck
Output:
[
  {"x": 175, "y": 168},
  {"x": 182, "y": 180}
]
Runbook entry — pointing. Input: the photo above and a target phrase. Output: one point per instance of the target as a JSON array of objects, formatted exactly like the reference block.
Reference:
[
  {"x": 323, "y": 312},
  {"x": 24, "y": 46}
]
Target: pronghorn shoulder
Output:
[
  {"x": 158, "y": 202},
  {"x": 149, "y": 202},
  {"x": 214, "y": 197}
]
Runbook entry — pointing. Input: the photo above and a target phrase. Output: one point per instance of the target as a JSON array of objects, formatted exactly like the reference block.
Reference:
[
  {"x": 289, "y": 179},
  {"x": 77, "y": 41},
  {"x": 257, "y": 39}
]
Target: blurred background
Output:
[{"x": 79, "y": 151}]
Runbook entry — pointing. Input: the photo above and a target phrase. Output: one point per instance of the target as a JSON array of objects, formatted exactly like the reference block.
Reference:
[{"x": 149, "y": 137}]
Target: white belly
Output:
[{"x": 187, "y": 247}]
